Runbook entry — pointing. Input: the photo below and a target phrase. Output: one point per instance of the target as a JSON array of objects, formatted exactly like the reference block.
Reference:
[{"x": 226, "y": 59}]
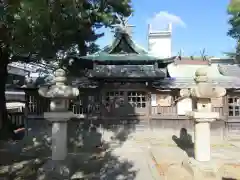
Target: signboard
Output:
[
  {"x": 164, "y": 100},
  {"x": 153, "y": 99},
  {"x": 184, "y": 105}
]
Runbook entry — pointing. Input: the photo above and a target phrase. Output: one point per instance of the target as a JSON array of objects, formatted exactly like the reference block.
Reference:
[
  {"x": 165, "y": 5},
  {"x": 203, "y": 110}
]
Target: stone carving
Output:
[
  {"x": 60, "y": 90},
  {"x": 203, "y": 88}
]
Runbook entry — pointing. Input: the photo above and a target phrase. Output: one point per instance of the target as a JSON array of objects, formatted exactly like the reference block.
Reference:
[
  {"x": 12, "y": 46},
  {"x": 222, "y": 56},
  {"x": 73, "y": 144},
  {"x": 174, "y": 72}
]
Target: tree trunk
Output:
[
  {"x": 82, "y": 48},
  {"x": 4, "y": 59}
]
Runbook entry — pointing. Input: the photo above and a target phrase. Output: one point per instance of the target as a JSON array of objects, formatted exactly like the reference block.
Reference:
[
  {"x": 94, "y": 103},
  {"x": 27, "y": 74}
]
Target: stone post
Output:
[{"x": 60, "y": 94}]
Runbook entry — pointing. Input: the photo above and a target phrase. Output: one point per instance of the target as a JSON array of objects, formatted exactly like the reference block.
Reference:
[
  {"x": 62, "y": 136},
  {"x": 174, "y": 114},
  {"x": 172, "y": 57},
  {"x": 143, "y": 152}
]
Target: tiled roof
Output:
[
  {"x": 188, "y": 70},
  {"x": 199, "y": 60},
  {"x": 222, "y": 60},
  {"x": 127, "y": 71},
  {"x": 180, "y": 83},
  {"x": 229, "y": 70}
]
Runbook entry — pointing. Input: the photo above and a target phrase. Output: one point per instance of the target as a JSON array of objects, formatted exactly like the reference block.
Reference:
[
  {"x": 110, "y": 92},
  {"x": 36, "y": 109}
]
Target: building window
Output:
[
  {"x": 137, "y": 99},
  {"x": 114, "y": 97},
  {"x": 234, "y": 106}
]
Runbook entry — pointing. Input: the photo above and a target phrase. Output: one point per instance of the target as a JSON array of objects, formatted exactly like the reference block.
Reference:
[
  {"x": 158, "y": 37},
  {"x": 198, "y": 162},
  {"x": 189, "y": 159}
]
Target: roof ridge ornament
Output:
[{"x": 123, "y": 26}]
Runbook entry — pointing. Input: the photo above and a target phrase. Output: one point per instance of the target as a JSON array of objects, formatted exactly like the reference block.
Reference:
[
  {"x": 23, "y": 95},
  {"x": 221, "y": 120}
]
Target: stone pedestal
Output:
[
  {"x": 202, "y": 134},
  {"x": 60, "y": 165},
  {"x": 59, "y": 141},
  {"x": 59, "y": 133}
]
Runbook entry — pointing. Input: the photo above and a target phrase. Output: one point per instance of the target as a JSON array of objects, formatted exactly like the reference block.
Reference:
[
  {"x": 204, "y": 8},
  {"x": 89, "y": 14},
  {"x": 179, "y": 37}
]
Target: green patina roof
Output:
[
  {"x": 103, "y": 57},
  {"x": 122, "y": 50},
  {"x": 123, "y": 43}
]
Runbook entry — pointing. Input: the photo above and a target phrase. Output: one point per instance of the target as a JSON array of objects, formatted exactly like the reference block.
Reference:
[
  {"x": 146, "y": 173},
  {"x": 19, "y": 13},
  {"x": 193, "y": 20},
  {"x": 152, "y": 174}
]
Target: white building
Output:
[{"x": 160, "y": 42}]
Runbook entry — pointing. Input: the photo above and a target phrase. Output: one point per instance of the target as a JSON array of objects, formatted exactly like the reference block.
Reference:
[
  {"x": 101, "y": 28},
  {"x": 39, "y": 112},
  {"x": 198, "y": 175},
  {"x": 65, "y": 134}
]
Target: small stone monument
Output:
[
  {"x": 60, "y": 94},
  {"x": 201, "y": 96}
]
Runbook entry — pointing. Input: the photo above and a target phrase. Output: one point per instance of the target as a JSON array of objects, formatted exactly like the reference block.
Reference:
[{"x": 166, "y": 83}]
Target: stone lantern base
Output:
[
  {"x": 62, "y": 170},
  {"x": 53, "y": 169},
  {"x": 202, "y": 170}
]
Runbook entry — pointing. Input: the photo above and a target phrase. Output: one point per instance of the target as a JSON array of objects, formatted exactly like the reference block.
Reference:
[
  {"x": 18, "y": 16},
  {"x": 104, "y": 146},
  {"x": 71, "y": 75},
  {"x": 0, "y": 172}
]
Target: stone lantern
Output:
[
  {"x": 60, "y": 94},
  {"x": 201, "y": 96}
]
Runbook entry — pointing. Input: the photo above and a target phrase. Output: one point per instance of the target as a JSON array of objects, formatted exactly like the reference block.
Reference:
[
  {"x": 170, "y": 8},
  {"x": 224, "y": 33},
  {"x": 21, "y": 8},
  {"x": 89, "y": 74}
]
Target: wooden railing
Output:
[
  {"x": 81, "y": 106},
  {"x": 161, "y": 112},
  {"x": 18, "y": 118},
  {"x": 88, "y": 103}
]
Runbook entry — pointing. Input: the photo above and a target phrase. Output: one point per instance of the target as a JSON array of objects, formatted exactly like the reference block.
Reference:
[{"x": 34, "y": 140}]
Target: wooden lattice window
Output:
[
  {"x": 137, "y": 99},
  {"x": 114, "y": 97},
  {"x": 234, "y": 106}
]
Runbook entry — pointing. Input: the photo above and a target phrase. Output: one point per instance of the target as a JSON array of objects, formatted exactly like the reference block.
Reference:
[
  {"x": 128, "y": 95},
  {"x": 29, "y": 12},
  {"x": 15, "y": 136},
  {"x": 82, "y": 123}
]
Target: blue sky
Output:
[{"x": 197, "y": 24}]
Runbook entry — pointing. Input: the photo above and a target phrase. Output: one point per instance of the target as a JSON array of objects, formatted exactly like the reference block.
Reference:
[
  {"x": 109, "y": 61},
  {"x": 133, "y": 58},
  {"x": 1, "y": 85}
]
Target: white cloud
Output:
[{"x": 163, "y": 18}]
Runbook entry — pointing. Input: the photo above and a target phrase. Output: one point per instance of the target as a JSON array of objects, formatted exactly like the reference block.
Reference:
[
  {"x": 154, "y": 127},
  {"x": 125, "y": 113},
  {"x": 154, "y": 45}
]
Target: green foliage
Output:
[
  {"x": 45, "y": 28},
  {"x": 234, "y": 6},
  {"x": 234, "y": 22}
]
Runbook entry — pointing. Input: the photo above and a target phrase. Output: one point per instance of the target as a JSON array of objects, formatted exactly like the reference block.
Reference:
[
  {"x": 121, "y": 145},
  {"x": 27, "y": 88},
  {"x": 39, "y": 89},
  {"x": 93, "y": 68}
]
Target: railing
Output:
[
  {"x": 88, "y": 103},
  {"x": 18, "y": 118},
  {"x": 82, "y": 106},
  {"x": 17, "y": 113},
  {"x": 171, "y": 112}
]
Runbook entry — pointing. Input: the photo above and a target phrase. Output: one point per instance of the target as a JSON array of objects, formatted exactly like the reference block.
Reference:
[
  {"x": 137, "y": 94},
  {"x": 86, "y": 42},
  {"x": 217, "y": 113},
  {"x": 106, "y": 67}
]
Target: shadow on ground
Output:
[
  {"x": 22, "y": 159},
  {"x": 184, "y": 141}
]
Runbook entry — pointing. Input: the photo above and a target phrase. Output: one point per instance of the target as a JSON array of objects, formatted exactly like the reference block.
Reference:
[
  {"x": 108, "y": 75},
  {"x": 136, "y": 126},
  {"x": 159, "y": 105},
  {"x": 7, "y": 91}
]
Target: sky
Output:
[{"x": 197, "y": 25}]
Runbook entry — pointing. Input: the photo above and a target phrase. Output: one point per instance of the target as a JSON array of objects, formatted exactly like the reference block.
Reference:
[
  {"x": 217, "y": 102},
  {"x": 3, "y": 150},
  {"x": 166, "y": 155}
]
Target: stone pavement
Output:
[
  {"x": 140, "y": 157},
  {"x": 168, "y": 157},
  {"x": 153, "y": 156}
]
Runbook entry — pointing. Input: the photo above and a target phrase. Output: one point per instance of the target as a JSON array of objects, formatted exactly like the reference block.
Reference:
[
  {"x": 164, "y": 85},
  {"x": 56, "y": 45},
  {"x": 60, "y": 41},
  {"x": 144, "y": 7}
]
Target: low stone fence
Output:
[
  {"x": 162, "y": 129},
  {"x": 219, "y": 129}
]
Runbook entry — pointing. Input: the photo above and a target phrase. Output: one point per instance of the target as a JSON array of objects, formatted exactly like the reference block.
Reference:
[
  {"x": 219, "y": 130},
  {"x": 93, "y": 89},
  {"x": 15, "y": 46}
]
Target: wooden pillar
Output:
[
  {"x": 149, "y": 105},
  {"x": 149, "y": 110}
]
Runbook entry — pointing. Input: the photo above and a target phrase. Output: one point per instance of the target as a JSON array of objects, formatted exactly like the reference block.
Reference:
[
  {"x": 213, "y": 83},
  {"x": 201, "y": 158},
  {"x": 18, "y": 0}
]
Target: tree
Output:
[
  {"x": 234, "y": 21},
  {"x": 48, "y": 29}
]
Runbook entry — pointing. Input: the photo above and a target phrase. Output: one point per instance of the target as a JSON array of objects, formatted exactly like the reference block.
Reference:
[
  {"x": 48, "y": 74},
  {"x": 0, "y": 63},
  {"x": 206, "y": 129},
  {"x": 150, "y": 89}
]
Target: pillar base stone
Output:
[
  {"x": 54, "y": 169},
  {"x": 201, "y": 170}
]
